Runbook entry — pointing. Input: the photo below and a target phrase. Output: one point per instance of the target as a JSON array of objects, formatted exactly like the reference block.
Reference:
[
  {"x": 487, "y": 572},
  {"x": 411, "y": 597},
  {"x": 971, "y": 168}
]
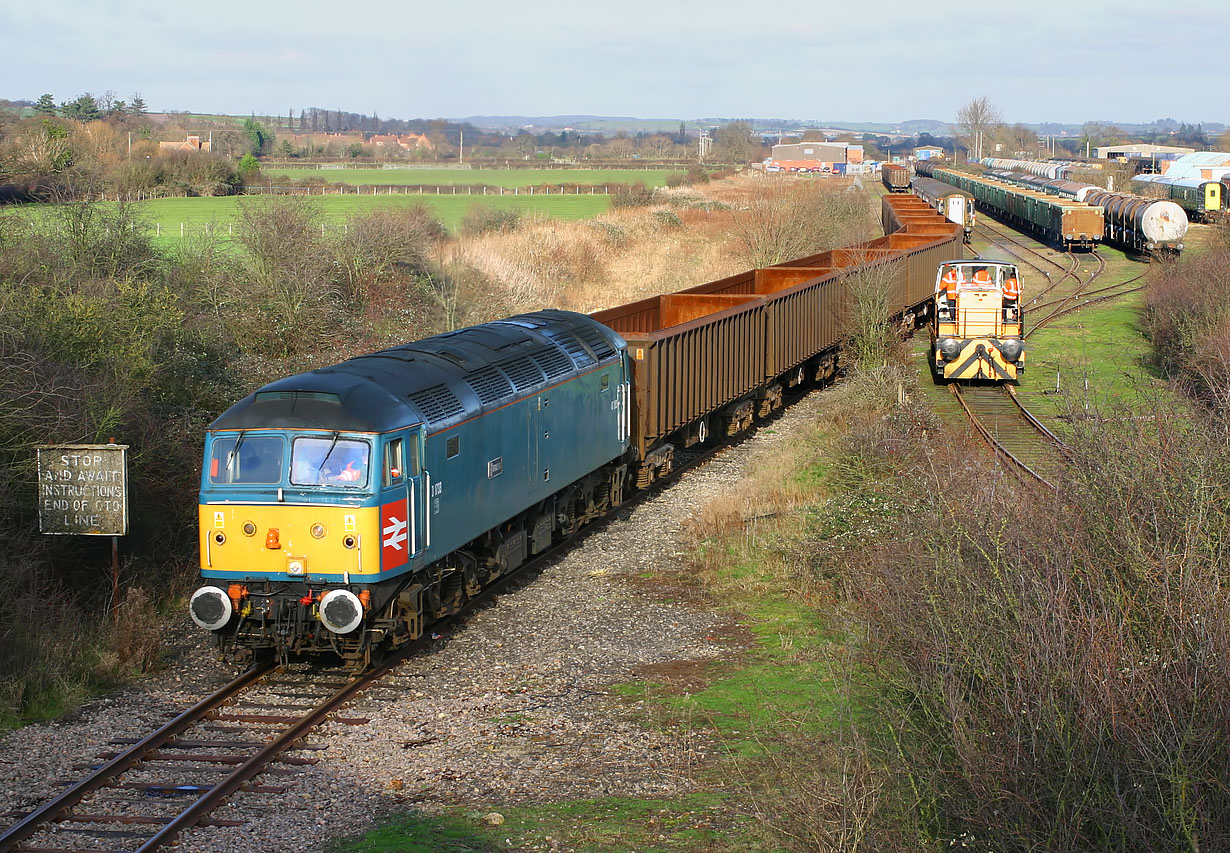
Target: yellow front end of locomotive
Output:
[
  {"x": 982, "y": 340},
  {"x": 284, "y": 542}
]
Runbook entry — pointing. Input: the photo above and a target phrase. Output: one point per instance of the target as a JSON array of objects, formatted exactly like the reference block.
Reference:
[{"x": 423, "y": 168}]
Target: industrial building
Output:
[
  {"x": 1139, "y": 150},
  {"x": 1202, "y": 165},
  {"x": 824, "y": 157}
]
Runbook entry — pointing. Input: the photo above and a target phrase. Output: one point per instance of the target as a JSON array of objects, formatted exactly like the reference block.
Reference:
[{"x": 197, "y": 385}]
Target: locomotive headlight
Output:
[
  {"x": 318, "y": 531},
  {"x": 341, "y": 611},
  {"x": 1011, "y": 349},
  {"x": 249, "y": 529},
  {"x": 210, "y": 608}
]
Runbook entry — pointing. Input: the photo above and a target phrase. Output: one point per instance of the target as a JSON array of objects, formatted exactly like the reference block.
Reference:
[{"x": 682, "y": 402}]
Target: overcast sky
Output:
[{"x": 891, "y": 60}]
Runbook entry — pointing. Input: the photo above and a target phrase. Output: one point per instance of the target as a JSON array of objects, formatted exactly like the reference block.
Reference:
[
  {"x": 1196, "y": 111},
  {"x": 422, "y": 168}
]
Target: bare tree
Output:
[{"x": 977, "y": 121}]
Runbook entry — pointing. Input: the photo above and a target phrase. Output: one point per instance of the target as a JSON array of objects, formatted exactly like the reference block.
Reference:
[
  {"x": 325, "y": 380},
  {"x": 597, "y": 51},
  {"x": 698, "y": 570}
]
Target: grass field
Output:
[
  {"x": 491, "y": 177},
  {"x": 169, "y": 217}
]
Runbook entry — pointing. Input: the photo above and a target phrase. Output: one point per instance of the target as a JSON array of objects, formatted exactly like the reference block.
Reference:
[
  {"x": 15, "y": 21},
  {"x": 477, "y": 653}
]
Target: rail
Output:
[
  {"x": 56, "y": 808},
  {"x": 981, "y": 403}
]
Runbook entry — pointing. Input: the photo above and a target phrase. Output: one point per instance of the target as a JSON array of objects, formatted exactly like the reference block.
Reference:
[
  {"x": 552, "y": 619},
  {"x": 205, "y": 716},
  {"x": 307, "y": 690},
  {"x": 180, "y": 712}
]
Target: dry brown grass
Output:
[{"x": 688, "y": 238}]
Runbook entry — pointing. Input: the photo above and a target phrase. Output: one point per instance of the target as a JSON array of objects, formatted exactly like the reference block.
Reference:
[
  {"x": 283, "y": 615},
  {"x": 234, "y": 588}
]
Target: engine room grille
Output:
[
  {"x": 490, "y": 385},
  {"x": 576, "y": 349},
  {"x": 437, "y": 404},
  {"x": 553, "y": 363},
  {"x": 598, "y": 344},
  {"x": 523, "y": 372}
]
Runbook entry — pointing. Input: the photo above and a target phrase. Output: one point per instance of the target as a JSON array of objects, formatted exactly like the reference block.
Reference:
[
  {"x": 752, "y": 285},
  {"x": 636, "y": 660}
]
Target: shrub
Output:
[
  {"x": 667, "y": 219},
  {"x": 1188, "y": 321},
  {"x": 638, "y": 195},
  {"x": 1052, "y": 666},
  {"x": 482, "y": 219}
]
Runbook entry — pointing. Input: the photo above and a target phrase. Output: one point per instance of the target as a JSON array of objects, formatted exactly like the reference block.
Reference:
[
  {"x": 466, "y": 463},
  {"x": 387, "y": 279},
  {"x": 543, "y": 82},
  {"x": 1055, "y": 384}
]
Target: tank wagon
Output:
[
  {"x": 953, "y": 204},
  {"x": 1204, "y": 200},
  {"x": 1070, "y": 223},
  {"x": 344, "y": 509},
  {"x": 1041, "y": 168},
  {"x": 896, "y": 178},
  {"x": 1133, "y": 222}
]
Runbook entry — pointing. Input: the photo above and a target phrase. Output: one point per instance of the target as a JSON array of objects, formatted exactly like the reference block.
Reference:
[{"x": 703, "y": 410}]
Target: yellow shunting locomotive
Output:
[{"x": 977, "y": 323}]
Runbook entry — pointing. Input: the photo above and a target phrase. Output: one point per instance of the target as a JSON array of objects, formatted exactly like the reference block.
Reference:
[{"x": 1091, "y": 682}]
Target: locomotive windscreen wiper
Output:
[
  {"x": 321, "y": 466},
  {"x": 230, "y": 457}
]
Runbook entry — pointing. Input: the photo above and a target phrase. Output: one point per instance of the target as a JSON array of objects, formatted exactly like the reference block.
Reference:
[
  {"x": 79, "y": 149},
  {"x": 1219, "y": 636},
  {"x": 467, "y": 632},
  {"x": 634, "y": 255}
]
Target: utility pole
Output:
[{"x": 461, "y": 152}]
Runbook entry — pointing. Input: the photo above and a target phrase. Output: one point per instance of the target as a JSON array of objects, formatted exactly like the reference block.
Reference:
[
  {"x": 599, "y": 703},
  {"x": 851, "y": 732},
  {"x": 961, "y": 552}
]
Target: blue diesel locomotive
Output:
[{"x": 352, "y": 494}]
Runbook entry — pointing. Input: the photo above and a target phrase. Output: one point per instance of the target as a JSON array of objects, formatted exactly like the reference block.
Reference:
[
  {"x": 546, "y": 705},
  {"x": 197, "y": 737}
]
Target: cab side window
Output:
[{"x": 394, "y": 461}]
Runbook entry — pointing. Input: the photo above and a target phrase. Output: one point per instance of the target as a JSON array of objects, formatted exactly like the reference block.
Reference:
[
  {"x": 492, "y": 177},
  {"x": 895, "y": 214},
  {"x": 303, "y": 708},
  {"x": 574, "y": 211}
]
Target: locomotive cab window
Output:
[
  {"x": 394, "y": 462},
  {"x": 246, "y": 460},
  {"x": 453, "y": 446},
  {"x": 329, "y": 461}
]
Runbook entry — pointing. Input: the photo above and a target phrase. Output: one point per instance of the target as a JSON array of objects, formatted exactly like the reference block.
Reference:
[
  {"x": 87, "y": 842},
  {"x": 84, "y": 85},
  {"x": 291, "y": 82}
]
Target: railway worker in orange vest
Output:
[
  {"x": 948, "y": 286},
  {"x": 1012, "y": 289},
  {"x": 946, "y": 298},
  {"x": 982, "y": 278}
]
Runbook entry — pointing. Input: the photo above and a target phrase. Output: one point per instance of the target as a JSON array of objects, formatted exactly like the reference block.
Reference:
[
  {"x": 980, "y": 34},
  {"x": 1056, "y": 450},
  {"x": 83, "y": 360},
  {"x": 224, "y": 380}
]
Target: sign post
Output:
[{"x": 83, "y": 491}]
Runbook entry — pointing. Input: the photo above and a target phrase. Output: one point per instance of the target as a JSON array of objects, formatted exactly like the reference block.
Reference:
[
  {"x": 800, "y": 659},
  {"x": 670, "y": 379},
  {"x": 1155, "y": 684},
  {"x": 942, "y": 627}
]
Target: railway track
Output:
[
  {"x": 148, "y": 793},
  {"x": 160, "y": 786},
  {"x": 1015, "y": 435}
]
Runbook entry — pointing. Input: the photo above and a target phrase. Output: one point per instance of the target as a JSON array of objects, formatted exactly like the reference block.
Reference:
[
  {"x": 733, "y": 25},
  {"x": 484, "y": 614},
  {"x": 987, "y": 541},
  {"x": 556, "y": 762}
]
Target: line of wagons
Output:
[
  {"x": 1073, "y": 214},
  {"x": 1203, "y": 199},
  {"x": 344, "y": 509},
  {"x": 955, "y": 205}
]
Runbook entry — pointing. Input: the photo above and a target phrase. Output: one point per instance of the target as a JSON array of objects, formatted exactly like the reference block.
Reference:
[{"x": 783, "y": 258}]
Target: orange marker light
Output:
[
  {"x": 271, "y": 539},
  {"x": 365, "y": 598}
]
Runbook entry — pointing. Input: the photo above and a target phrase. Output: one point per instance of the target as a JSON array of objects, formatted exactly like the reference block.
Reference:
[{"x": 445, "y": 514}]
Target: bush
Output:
[
  {"x": 482, "y": 219},
  {"x": 638, "y": 195},
  {"x": 1052, "y": 667},
  {"x": 1187, "y": 318},
  {"x": 667, "y": 219}
]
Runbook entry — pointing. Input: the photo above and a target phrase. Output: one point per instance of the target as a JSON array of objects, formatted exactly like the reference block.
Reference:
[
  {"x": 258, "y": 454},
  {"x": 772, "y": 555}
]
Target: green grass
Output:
[
  {"x": 166, "y": 215},
  {"x": 491, "y": 177},
  {"x": 690, "y": 824}
]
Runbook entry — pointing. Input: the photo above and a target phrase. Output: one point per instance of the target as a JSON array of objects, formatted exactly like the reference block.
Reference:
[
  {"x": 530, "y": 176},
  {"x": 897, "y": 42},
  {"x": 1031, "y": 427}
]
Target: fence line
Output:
[
  {"x": 441, "y": 189},
  {"x": 393, "y": 189}
]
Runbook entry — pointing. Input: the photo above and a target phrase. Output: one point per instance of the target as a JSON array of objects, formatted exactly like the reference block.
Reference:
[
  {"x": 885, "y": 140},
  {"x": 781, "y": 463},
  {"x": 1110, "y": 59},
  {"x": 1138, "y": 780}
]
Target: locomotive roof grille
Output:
[
  {"x": 438, "y": 381},
  {"x": 597, "y": 343},
  {"x": 553, "y": 363},
  {"x": 490, "y": 385},
  {"x": 524, "y": 374},
  {"x": 438, "y": 404},
  {"x": 577, "y": 350}
]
